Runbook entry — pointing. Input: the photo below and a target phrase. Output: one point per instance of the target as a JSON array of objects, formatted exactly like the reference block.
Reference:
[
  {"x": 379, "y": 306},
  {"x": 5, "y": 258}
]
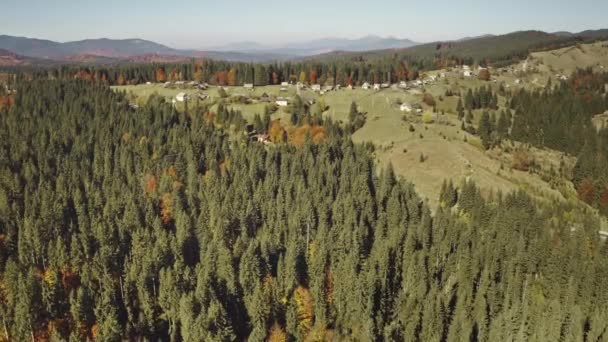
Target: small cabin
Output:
[
  {"x": 282, "y": 103},
  {"x": 181, "y": 97},
  {"x": 316, "y": 87},
  {"x": 248, "y": 86},
  {"x": 365, "y": 86},
  {"x": 405, "y": 107}
]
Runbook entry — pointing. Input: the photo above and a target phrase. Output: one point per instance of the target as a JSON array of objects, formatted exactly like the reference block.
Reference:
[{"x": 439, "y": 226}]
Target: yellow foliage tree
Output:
[
  {"x": 304, "y": 309},
  {"x": 277, "y": 334}
]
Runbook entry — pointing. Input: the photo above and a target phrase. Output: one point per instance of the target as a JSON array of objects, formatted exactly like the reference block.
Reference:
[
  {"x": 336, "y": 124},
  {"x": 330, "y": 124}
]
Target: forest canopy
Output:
[{"x": 128, "y": 224}]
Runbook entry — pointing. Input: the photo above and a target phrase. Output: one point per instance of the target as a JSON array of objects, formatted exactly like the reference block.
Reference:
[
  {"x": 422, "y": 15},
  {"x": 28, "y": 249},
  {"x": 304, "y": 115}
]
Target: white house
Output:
[
  {"x": 316, "y": 87},
  {"x": 376, "y": 86},
  {"x": 181, "y": 97},
  {"x": 284, "y": 84},
  {"x": 282, "y": 103},
  {"x": 385, "y": 85},
  {"x": 403, "y": 85},
  {"x": 365, "y": 86},
  {"x": 405, "y": 108},
  {"x": 248, "y": 86},
  {"x": 467, "y": 73}
]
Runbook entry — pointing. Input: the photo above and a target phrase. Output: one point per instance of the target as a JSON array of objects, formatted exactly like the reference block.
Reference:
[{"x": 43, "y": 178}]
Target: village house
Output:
[
  {"x": 263, "y": 138},
  {"x": 467, "y": 73},
  {"x": 365, "y": 86},
  {"x": 248, "y": 86},
  {"x": 315, "y": 87},
  {"x": 376, "y": 86},
  {"x": 167, "y": 84},
  {"x": 385, "y": 85},
  {"x": 403, "y": 85},
  {"x": 284, "y": 84},
  {"x": 203, "y": 86},
  {"x": 203, "y": 96},
  {"x": 405, "y": 108},
  {"x": 281, "y": 102},
  {"x": 265, "y": 98},
  {"x": 181, "y": 97}
]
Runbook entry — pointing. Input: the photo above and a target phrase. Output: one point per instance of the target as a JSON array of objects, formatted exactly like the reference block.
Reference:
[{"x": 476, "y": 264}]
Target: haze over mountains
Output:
[
  {"x": 315, "y": 47},
  {"x": 22, "y": 50}
]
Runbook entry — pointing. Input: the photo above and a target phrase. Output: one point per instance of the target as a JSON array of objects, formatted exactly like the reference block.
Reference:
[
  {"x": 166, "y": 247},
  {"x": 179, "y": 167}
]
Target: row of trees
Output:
[
  {"x": 120, "y": 224},
  {"x": 343, "y": 72}
]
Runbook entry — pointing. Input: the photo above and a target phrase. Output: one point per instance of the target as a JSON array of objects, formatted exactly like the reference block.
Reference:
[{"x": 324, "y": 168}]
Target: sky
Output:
[{"x": 203, "y": 24}]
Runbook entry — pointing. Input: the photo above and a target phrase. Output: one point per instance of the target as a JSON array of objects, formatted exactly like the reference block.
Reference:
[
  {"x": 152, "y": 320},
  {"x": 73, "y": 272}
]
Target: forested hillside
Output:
[
  {"x": 560, "y": 118},
  {"x": 120, "y": 224}
]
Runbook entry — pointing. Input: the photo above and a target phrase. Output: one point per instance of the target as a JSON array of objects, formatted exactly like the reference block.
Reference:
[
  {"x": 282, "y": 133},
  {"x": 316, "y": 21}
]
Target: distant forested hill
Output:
[{"x": 495, "y": 50}]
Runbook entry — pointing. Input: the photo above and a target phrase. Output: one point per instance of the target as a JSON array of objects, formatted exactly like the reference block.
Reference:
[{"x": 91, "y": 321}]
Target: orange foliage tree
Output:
[
  {"x": 586, "y": 191},
  {"x": 484, "y": 75},
  {"x": 298, "y": 135},
  {"x": 275, "y": 78},
  {"x": 161, "y": 75},
  {"x": 312, "y": 77},
  {"x": 150, "y": 183},
  {"x": 221, "y": 78}
]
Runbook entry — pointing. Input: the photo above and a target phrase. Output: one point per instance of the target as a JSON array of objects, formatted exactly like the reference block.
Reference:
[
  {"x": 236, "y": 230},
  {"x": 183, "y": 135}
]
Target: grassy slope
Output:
[{"x": 443, "y": 143}]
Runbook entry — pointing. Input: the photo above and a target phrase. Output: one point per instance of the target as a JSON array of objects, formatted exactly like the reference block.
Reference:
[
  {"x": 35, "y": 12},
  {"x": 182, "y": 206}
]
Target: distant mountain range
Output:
[
  {"x": 32, "y": 51},
  {"x": 319, "y": 46},
  {"x": 139, "y": 50}
]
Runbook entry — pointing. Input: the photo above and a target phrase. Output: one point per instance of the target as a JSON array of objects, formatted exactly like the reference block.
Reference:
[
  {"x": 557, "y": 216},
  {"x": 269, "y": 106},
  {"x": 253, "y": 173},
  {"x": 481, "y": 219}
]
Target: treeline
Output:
[
  {"x": 237, "y": 73},
  {"x": 120, "y": 224}
]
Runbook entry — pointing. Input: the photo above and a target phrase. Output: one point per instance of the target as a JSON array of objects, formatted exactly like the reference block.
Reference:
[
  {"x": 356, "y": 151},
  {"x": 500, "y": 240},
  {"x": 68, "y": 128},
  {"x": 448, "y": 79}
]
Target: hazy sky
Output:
[{"x": 200, "y": 24}]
